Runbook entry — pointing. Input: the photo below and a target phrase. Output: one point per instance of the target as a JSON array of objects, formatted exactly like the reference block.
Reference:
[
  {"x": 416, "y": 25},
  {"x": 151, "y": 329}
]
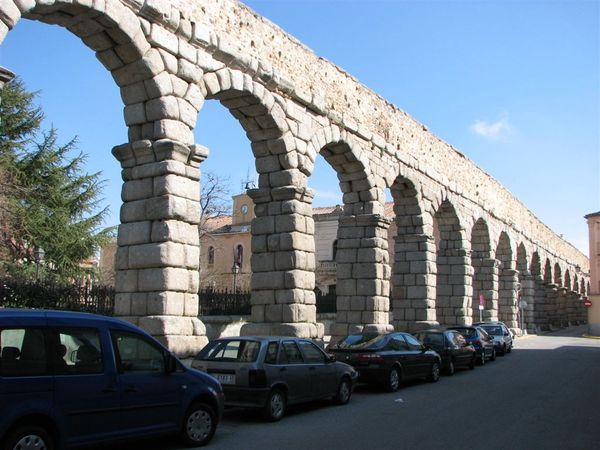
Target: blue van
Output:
[{"x": 69, "y": 379}]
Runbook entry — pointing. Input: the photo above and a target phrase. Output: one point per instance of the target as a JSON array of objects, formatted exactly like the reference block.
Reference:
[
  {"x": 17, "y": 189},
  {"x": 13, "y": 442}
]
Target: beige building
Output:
[
  {"x": 593, "y": 221},
  {"x": 225, "y": 248}
]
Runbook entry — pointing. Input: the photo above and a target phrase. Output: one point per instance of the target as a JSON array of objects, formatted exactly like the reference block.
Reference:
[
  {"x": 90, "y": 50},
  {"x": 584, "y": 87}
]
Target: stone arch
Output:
[
  {"x": 454, "y": 271},
  {"x": 347, "y": 158},
  {"x": 568, "y": 283},
  {"x": 414, "y": 269},
  {"x": 156, "y": 279},
  {"x": 558, "y": 279},
  {"x": 526, "y": 288},
  {"x": 363, "y": 270},
  {"x": 283, "y": 253},
  {"x": 485, "y": 274},
  {"x": 557, "y": 298},
  {"x": 508, "y": 281},
  {"x": 540, "y": 273},
  {"x": 548, "y": 274}
]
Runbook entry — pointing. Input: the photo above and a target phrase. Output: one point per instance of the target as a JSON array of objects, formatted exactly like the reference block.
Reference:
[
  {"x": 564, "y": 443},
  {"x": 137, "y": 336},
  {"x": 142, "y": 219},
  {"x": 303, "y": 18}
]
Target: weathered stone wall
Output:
[
  {"x": 169, "y": 57},
  {"x": 284, "y": 63}
]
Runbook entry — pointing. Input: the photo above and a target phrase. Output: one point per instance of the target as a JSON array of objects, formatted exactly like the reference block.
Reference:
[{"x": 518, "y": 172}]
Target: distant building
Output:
[
  {"x": 593, "y": 221},
  {"x": 225, "y": 247},
  {"x": 227, "y": 241}
]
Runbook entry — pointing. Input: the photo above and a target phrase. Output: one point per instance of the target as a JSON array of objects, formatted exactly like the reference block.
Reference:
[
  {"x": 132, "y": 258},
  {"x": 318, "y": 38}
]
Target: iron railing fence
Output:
[
  {"x": 326, "y": 302},
  {"x": 224, "y": 302},
  {"x": 96, "y": 299}
]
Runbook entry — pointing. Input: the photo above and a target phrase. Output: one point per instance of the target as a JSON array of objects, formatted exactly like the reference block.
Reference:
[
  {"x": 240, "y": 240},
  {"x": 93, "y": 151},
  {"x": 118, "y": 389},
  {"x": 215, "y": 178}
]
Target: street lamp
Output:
[
  {"x": 38, "y": 254},
  {"x": 235, "y": 269}
]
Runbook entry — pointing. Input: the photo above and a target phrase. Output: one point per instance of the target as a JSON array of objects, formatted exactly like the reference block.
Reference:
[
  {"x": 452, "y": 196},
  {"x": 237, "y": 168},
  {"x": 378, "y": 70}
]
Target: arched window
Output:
[
  {"x": 239, "y": 255},
  {"x": 334, "y": 250},
  {"x": 211, "y": 256}
]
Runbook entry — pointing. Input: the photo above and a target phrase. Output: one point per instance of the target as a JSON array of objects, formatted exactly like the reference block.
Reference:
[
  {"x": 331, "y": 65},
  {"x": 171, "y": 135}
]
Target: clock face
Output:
[{"x": 244, "y": 209}]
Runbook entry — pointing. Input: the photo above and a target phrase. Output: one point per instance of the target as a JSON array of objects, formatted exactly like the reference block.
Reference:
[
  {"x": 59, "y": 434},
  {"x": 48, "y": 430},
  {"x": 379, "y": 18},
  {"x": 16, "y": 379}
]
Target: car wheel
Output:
[
  {"x": 482, "y": 358},
  {"x": 509, "y": 349},
  {"x": 199, "y": 425},
  {"x": 29, "y": 437},
  {"x": 393, "y": 380},
  {"x": 450, "y": 368},
  {"x": 493, "y": 357},
  {"x": 344, "y": 392},
  {"x": 503, "y": 352},
  {"x": 472, "y": 363},
  {"x": 434, "y": 375},
  {"x": 276, "y": 404}
]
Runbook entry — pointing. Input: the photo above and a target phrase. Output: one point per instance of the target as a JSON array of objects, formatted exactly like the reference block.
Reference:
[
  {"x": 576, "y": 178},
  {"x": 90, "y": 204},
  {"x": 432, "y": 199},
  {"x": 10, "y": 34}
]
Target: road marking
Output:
[{"x": 399, "y": 400}]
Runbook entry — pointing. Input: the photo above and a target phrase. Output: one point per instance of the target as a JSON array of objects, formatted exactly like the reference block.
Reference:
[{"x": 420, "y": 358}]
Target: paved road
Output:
[{"x": 544, "y": 395}]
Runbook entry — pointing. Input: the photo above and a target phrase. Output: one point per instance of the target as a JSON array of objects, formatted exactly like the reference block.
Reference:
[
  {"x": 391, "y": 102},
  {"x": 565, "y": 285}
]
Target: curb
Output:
[{"x": 589, "y": 336}]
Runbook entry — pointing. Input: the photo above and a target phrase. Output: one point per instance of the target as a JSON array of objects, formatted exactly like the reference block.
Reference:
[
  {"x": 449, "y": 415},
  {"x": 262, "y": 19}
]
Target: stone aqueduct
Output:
[{"x": 460, "y": 233}]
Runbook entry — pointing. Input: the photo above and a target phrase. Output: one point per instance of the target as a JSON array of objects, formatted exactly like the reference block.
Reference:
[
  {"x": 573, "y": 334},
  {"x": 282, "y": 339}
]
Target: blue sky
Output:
[{"x": 513, "y": 85}]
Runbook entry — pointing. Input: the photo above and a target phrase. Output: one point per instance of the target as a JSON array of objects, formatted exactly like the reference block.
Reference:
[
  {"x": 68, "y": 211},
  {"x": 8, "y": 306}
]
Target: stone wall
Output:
[{"x": 169, "y": 57}]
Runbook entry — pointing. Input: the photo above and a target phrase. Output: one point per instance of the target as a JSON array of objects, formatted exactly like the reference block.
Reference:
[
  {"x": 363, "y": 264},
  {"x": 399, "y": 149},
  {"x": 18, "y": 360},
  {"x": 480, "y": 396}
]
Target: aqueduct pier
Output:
[{"x": 461, "y": 235}]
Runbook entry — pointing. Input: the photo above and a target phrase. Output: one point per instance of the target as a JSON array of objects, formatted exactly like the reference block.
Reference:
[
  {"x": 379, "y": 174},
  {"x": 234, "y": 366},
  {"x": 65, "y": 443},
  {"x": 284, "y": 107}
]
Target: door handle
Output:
[
  {"x": 131, "y": 389},
  {"x": 312, "y": 368},
  {"x": 283, "y": 369}
]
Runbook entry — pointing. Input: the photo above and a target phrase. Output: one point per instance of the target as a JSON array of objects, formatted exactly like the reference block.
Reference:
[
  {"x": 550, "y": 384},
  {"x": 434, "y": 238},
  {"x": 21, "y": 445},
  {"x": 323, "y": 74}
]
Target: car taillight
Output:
[
  {"x": 370, "y": 358},
  {"x": 257, "y": 378},
  {"x": 476, "y": 343}
]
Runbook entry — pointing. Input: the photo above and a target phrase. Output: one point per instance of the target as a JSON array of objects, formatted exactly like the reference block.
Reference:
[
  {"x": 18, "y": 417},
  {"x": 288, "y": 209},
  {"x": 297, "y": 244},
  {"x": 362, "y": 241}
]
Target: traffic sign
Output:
[
  {"x": 587, "y": 303},
  {"x": 480, "y": 307},
  {"x": 522, "y": 304}
]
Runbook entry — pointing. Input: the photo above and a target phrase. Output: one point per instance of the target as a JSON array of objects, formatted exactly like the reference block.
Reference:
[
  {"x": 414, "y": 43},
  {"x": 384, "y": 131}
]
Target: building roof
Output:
[{"x": 588, "y": 216}]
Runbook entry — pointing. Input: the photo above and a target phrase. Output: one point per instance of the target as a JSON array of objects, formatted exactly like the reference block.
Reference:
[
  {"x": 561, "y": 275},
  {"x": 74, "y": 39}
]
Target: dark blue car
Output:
[
  {"x": 483, "y": 343},
  {"x": 69, "y": 379}
]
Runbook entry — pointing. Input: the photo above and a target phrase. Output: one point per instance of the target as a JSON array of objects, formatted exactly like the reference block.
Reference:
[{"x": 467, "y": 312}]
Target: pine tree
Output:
[{"x": 50, "y": 202}]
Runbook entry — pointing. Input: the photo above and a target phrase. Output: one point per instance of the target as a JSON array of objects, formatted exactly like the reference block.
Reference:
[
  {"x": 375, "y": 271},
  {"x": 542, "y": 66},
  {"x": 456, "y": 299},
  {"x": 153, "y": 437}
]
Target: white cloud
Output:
[{"x": 492, "y": 130}]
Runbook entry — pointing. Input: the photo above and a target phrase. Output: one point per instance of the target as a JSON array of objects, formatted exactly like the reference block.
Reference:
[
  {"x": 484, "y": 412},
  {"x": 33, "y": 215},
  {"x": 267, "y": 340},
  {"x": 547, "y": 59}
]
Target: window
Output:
[
  {"x": 397, "y": 343},
  {"x": 211, "y": 256},
  {"x": 23, "y": 352},
  {"x": 137, "y": 355},
  {"x": 271, "y": 356},
  {"x": 311, "y": 353},
  {"x": 413, "y": 344},
  {"x": 231, "y": 350},
  {"x": 76, "y": 351},
  {"x": 239, "y": 255},
  {"x": 290, "y": 354},
  {"x": 334, "y": 250}
]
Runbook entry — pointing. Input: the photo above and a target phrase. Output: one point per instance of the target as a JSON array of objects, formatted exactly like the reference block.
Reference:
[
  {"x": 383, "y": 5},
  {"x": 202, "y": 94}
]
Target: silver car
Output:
[
  {"x": 273, "y": 372},
  {"x": 499, "y": 332}
]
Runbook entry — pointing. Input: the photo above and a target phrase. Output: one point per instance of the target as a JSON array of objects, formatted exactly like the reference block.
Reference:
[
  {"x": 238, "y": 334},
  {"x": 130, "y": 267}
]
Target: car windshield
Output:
[
  {"x": 435, "y": 340},
  {"x": 493, "y": 330},
  {"x": 360, "y": 341},
  {"x": 467, "y": 332},
  {"x": 238, "y": 350}
]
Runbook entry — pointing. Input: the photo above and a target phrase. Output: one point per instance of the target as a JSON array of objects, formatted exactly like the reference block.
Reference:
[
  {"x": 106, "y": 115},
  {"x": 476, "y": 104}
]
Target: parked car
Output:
[
  {"x": 70, "y": 379},
  {"x": 503, "y": 340},
  {"x": 387, "y": 359},
  {"x": 454, "y": 350},
  {"x": 483, "y": 343},
  {"x": 273, "y": 372}
]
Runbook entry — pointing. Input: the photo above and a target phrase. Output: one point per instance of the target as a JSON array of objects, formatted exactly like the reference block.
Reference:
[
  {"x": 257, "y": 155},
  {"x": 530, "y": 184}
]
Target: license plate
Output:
[{"x": 224, "y": 378}]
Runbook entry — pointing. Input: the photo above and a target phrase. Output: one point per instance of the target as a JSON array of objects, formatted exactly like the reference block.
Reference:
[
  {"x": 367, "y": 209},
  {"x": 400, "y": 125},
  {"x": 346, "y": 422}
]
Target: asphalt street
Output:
[{"x": 543, "y": 395}]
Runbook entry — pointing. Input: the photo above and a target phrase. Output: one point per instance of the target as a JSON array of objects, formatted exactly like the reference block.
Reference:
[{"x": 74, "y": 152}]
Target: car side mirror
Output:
[
  {"x": 331, "y": 358},
  {"x": 506, "y": 333}
]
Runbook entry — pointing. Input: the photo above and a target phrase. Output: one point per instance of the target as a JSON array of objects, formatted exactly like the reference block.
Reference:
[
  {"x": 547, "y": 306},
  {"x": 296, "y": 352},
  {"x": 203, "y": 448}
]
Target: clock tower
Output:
[{"x": 243, "y": 209}]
